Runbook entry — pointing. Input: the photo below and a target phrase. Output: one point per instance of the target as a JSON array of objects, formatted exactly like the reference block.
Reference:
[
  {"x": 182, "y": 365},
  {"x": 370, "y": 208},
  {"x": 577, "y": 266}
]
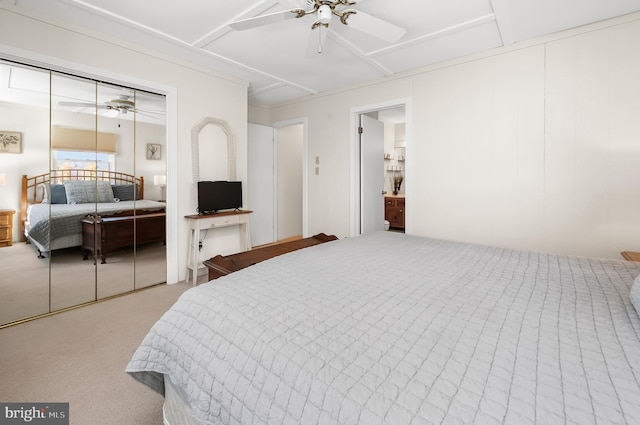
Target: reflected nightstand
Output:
[{"x": 6, "y": 228}]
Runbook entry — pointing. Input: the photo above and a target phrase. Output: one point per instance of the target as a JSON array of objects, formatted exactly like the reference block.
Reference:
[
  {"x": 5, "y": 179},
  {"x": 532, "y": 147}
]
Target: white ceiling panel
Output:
[
  {"x": 37, "y": 87},
  {"x": 273, "y": 58},
  {"x": 187, "y": 20},
  {"x": 537, "y": 18},
  {"x": 443, "y": 47},
  {"x": 288, "y": 62}
]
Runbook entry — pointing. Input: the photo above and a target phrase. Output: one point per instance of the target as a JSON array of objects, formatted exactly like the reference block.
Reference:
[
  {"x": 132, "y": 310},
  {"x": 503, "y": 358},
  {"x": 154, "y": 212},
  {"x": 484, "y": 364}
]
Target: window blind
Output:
[{"x": 82, "y": 140}]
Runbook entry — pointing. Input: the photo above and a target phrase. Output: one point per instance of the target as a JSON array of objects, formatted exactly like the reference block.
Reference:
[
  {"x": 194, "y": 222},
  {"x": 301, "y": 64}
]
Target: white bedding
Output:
[{"x": 395, "y": 329}]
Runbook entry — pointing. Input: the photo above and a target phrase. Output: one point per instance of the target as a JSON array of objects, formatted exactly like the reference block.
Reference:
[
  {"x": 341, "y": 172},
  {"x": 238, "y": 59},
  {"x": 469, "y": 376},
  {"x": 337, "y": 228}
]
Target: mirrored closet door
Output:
[
  {"x": 24, "y": 114},
  {"x": 88, "y": 187}
]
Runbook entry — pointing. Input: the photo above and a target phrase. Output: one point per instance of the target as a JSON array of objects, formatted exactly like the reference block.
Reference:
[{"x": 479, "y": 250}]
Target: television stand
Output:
[{"x": 198, "y": 222}]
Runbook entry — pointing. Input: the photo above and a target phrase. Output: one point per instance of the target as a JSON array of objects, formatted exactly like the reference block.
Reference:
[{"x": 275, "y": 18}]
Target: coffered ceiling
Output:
[{"x": 275, "y": 58}]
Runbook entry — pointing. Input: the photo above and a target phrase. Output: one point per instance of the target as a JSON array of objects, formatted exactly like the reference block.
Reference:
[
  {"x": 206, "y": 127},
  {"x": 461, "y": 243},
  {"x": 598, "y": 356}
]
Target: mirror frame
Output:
[{"x": 195, "y": 147}]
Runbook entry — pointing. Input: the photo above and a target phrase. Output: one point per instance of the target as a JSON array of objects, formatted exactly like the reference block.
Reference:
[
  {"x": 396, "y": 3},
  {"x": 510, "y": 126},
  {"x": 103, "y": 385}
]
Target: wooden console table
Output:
[
  {"x": 213, "y": 221},
  {"x": 102, "y": 235},
  {"x": 222, "y": 265}
]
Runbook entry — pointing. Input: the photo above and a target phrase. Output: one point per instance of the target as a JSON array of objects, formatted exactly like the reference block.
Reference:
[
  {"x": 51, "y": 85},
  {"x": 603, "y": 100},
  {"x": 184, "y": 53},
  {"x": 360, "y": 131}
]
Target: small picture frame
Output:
[
  {"x": 154, "y": 151},
  {"x": 10, "y": 142}
]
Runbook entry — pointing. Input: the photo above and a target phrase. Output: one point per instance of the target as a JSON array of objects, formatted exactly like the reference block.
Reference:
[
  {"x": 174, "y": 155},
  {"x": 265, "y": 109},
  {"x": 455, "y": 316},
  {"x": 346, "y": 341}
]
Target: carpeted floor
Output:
[
  {"x": 79, "y": 357},
  {"x": 30, "y": 286}
]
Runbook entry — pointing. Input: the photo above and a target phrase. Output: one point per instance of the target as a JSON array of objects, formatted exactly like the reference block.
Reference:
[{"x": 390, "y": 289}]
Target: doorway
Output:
[
  {"x": 372, "y": 191},
  {"x": 277, "y": 181}
]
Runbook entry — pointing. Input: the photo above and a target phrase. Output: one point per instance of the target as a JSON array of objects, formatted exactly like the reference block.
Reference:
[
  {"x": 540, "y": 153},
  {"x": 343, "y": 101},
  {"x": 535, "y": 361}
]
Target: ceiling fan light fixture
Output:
[
  {"x": 324, "y": 14},
  {"x": 122, "y": 101}
]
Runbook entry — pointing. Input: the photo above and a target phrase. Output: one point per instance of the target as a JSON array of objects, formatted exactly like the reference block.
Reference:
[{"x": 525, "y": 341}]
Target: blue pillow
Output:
[
  {"x": 126, "y": 192},
  {"x": 54, "y": 194},
  {"x": 58, "y": 194}
]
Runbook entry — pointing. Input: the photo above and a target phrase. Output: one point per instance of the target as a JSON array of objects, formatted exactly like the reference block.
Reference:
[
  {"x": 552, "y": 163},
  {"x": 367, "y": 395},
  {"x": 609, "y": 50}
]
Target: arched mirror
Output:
[{"x": 209, "y": 138}]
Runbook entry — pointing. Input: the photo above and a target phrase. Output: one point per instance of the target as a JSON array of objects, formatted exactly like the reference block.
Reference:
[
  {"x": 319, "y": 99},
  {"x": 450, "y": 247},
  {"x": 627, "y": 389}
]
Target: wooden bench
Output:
[
  {"x": 102, "y": 235},
  {"x": 222, "y": 265}
]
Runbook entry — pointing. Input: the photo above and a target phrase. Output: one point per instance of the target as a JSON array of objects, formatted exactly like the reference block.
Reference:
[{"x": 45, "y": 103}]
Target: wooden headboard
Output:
[{"x": 32, "y": 195}]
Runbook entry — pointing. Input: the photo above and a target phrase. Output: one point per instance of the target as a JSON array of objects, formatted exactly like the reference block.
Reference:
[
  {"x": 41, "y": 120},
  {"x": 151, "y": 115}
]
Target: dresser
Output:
[
  {"x": 394, "y": 211},
  {"x": 6, "y": 227}
]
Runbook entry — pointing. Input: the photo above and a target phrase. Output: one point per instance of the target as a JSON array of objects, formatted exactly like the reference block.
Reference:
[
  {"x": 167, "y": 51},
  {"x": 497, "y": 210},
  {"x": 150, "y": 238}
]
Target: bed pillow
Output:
[
  {"x": 126, "y": 192},
  {"x": 88, "y": 191},
  {"x": 54, "y": 194},
  {"x": 635, "y": 294}
]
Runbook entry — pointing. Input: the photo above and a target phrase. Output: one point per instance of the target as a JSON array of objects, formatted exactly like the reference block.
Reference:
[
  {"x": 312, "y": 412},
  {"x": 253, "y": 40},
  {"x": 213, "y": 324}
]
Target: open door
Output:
[{"x": 371, "y": 174}]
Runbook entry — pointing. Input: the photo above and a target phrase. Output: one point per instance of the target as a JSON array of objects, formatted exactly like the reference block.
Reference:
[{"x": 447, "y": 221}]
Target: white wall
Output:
[
  {"x": 197, "y": 93},
  {"x": 536, "y": 146}
]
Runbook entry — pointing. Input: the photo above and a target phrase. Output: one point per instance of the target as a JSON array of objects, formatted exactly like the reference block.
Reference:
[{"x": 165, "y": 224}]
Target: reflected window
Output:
[{"x": 82, "y": 160}]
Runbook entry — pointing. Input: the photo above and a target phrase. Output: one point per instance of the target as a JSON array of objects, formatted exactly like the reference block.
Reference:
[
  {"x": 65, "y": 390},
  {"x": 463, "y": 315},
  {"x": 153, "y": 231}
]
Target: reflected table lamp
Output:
[{"x": 161, "y": 181}]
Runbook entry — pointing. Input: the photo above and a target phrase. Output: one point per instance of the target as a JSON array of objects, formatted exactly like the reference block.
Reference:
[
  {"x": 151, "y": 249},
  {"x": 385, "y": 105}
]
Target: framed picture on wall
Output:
[
  {"x": 10, "y": 142},
  {"x": 154, "y": 151}
]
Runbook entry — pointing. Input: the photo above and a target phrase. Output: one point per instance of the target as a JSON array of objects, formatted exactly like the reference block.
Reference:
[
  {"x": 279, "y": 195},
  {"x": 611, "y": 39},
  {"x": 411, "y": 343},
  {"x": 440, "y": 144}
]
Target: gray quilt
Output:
[
  {"x": 51, "y": 221},
  {"x": 395, "y": 329}
]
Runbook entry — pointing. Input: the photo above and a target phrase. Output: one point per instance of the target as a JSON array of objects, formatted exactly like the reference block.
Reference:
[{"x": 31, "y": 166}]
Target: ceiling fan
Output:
[
  {"x": 121, "y": 104},
  {"x": 324, "y": 10}
]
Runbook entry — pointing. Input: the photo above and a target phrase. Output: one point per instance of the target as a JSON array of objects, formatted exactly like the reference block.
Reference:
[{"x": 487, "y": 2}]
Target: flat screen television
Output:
[{"x": 214, "y": 196}]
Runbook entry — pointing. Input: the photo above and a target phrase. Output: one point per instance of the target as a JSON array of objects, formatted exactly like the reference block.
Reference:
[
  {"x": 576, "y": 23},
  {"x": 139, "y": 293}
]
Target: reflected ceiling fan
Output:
[
  {"x": 121, "y": 104},
  {"x": 323, "y": 11}
]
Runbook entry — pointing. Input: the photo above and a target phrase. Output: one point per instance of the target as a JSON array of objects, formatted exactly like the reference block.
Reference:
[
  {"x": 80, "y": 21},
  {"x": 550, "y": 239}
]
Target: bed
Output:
[
  {"x": 54, "y": 204},
  {"x": 388, "y": 328}
]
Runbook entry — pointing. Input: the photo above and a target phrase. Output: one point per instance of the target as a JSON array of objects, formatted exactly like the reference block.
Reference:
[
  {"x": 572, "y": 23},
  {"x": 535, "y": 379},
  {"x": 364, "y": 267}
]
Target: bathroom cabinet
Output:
[{"x": 394, "y": 211}]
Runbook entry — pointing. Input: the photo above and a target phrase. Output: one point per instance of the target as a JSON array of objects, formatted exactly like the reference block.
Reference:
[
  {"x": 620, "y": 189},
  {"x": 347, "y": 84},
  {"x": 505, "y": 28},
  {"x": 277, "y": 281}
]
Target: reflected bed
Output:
[{"x": 53, "y": 204}]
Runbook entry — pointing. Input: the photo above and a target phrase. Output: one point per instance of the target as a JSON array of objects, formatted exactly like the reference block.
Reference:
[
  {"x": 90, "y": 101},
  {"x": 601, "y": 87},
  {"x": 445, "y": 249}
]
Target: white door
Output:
[
  {"x": 289, "y": 140},
  {"x": 260, "y": 183},
  {"x": 371, "y": 174}
]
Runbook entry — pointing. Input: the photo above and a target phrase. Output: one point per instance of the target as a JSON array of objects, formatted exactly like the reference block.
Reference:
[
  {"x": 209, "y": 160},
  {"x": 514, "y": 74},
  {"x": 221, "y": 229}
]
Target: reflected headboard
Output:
[{"x": 31, "y": 194}]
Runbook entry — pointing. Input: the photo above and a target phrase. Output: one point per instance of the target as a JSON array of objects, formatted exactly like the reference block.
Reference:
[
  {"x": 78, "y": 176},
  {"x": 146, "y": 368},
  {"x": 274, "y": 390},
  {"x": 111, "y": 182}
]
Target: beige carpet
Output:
[
  {"x": 79, "y": 357},
  {"x": 30, "y": 286}
]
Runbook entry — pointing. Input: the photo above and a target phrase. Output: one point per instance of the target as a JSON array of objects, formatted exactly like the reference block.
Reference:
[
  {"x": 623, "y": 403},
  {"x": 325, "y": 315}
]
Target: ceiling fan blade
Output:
[
  {"x": 83, "y": 105},
  {"x": 155, "y": 117},
  {"x": 77, "y": 104},
  {"x": 258, "y": 21},
  {"x": 316, "y": 42},
  {"x": 376, "y": 27},
  {"x": 148, "y": 112}
]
